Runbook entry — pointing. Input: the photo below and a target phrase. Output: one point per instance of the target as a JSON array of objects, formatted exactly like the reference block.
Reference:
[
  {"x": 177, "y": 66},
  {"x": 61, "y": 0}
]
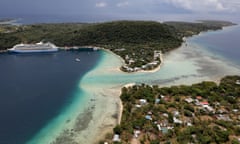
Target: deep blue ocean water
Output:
[
  {"x": 35, "y": 87},
  {"x": 224, "y": 43},
  {"x": 34, "y": 19}
]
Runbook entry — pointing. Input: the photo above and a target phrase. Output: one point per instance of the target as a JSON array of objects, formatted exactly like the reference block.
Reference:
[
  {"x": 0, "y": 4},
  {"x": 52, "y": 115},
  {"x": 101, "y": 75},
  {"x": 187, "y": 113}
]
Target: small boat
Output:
[{"x": 77, "y": 59}]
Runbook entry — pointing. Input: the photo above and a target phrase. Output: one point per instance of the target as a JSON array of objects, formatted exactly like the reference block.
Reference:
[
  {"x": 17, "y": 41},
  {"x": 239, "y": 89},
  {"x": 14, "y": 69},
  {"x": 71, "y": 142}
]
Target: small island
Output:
[
  {"x": 202, "y": 113},
  {"x": 139, "y": 43}
]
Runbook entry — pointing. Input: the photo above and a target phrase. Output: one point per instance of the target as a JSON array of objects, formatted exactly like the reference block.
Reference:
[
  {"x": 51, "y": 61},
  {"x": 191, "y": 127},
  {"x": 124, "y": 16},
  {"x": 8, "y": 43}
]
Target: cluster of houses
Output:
[
  {"x": 198, "y": 103},
  {"x": 201, "y": 104},
  {"x": 163, "y": 125},
  {"x": 168, "y": 113},
  {"x": 219, "y": 113},
  {"x": 156, "y": 61}
]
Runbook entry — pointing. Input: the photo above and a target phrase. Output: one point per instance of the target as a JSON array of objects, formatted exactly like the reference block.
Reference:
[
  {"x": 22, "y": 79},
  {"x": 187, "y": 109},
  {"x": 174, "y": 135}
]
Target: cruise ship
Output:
[{"x": 30, "y": 48}]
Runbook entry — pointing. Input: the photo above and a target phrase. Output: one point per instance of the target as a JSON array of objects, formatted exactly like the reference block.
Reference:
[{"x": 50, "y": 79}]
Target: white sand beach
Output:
[
  {"x": 102, "y": 87},
  {"x": 105, "y": 94}
]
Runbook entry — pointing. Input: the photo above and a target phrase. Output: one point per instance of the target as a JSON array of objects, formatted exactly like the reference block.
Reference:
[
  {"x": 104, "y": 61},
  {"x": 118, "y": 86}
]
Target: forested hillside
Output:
[{"x": 135, "y": 41}]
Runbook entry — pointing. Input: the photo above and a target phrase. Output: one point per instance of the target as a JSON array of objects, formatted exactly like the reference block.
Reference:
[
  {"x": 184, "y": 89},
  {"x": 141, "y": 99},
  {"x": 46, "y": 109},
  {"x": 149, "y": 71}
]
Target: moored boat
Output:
[{"x": 77, "y": 59}]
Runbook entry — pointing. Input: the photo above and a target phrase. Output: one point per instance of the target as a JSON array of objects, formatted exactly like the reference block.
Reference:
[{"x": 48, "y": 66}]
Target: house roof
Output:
[
  {"x": 204, "y": 103},
  {"x": 199, "y": 97},
  {"x": 148, "y": 117},
  {"x": 189, "y": 100}
]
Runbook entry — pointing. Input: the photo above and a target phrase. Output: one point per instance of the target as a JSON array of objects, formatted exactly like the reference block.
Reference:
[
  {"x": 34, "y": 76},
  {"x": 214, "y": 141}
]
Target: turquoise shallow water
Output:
[
  {"x": 35, "y": 88},
  {"x": 77, "y": 103},
  {"x": 193, "y": 62}
]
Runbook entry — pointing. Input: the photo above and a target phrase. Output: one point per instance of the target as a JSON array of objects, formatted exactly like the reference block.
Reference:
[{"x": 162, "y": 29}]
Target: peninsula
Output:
[
  {"x": 202, "y": 113},
  {"x": 139, "y": 43}
]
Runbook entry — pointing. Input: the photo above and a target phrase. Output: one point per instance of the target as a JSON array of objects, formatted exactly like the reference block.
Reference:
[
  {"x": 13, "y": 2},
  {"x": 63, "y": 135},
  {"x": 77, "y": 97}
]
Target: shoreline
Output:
[
  {"x": 121, "y": 104},
  {"x": 140, "y": 71},
  {"x": 104, "y": 122},
  {"x": 110, "y": 94},
  {"x": 161, "y": 54},
  {"x": 95, "y": 48},
  {"x": 155, "y": 69},
  {"x": 67, "y": 48},
  {"x": 106, "y": 116}
]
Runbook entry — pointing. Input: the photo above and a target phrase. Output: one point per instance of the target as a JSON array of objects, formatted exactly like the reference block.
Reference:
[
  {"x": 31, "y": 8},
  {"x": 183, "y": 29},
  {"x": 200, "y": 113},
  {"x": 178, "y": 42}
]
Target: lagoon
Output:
[
  {"x": 192, "y": 63},
  {"x": 90, "y": 98}
]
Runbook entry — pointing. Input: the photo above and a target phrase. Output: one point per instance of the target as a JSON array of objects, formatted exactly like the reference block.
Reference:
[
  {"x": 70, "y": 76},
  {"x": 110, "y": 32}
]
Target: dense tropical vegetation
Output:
[
  {"x": 189, "y": 29},
  {"x": 134, "y": 41},
  {"x": 202, "y": 113}
]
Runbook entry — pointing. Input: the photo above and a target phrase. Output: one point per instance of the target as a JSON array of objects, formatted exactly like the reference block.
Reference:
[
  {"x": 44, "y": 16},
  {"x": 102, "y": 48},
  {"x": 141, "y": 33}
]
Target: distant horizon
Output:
[
  {"x": 39, "y": 18},
  {"x": 107, "y": 10}
]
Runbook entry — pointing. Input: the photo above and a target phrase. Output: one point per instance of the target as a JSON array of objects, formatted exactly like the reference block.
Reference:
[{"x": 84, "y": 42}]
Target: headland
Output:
[
  {"x": 104, "y": 106},
  {"x": 139, "y": 43}
]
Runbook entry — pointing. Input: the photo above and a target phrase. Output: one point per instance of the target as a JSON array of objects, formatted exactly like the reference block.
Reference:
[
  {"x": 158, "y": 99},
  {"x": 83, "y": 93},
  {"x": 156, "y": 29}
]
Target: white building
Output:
[{"x": 116, "y": 138}]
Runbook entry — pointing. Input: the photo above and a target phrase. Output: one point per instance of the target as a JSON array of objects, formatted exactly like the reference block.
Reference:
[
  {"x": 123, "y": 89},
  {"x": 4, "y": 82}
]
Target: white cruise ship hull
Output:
[
  {"x": 34, "y": 48},
  {"x": 32, "y": 51}
]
